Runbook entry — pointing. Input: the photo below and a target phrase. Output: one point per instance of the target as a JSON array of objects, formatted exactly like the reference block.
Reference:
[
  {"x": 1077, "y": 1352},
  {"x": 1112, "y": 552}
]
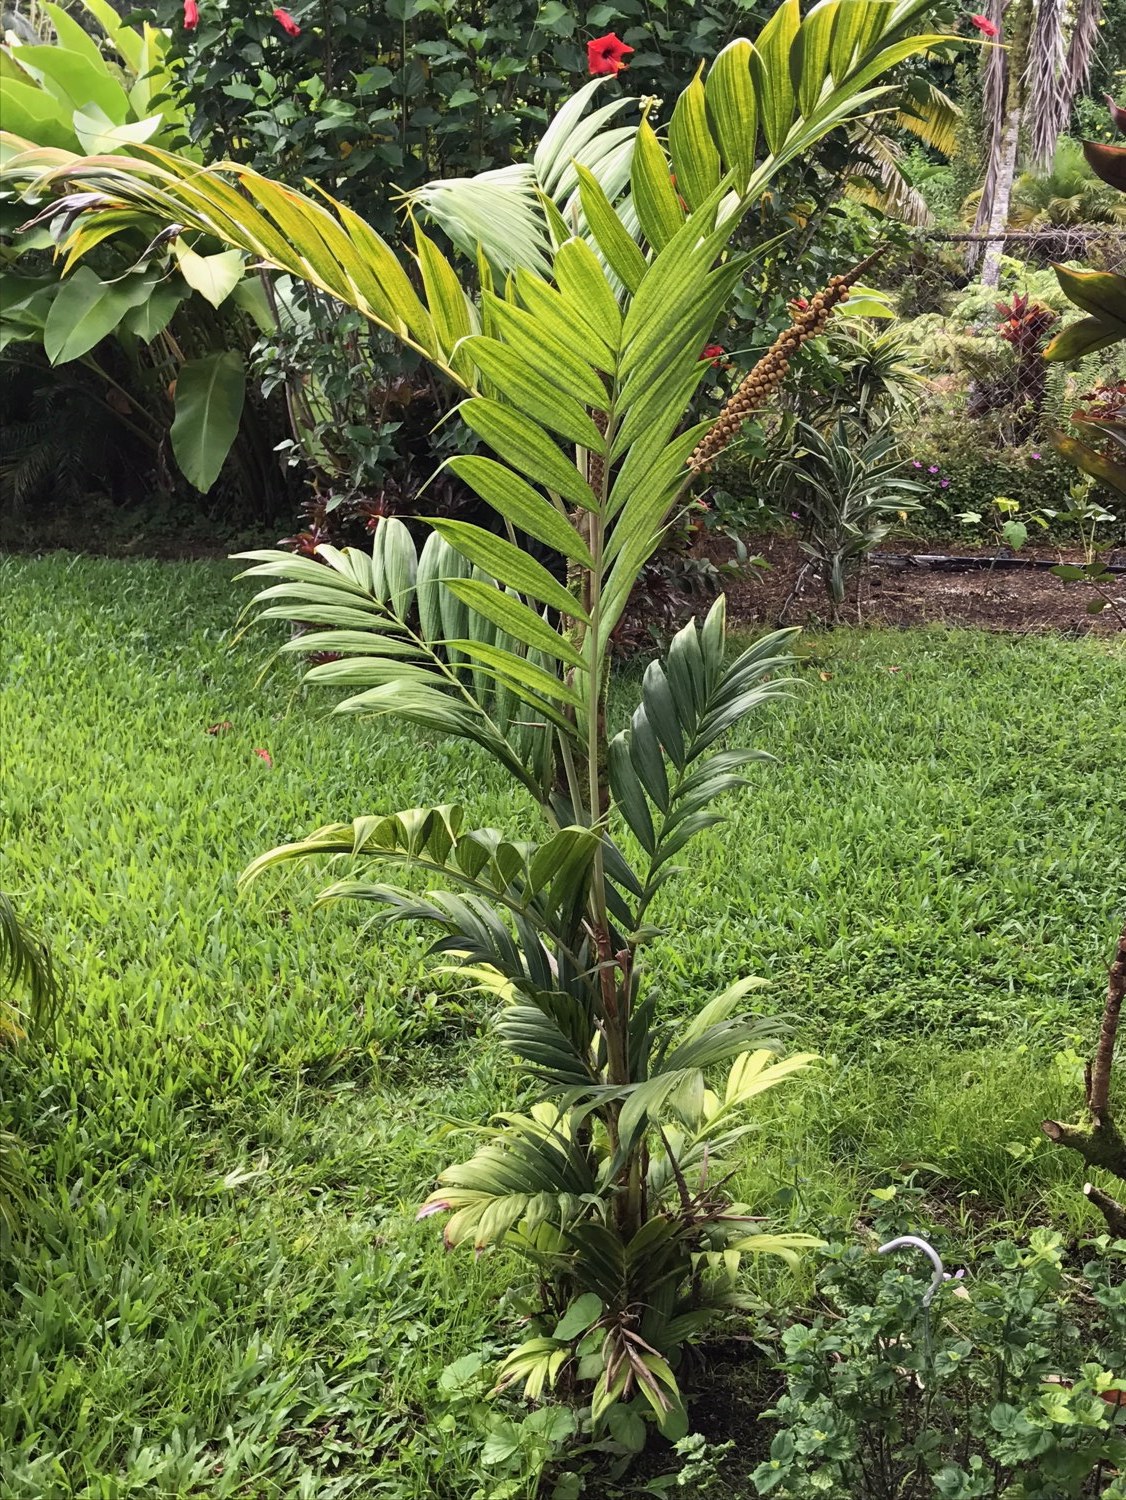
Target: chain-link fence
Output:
[
  {"x": 983, "y": 346},
  {"x": 1101, "y": 246}
]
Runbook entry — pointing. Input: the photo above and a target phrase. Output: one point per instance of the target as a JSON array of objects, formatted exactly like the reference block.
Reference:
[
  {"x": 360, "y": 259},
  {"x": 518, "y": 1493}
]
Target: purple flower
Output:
[
  {"x": 933, "y": 469},
  {"x": 916, "y": 463},
  {"x": 795, "y": 515},
  {"x": 944, "y": 484},
  {"x": 1036, "y": 455}
]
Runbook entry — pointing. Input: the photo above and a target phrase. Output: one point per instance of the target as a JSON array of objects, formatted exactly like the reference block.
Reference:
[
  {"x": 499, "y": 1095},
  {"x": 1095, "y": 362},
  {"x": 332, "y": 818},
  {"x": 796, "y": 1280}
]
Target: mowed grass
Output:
[{"x": 223, "y": 1291}]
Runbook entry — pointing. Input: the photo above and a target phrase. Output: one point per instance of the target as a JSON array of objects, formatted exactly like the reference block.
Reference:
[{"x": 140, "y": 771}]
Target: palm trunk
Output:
[{"x": 1002, "y": 194}]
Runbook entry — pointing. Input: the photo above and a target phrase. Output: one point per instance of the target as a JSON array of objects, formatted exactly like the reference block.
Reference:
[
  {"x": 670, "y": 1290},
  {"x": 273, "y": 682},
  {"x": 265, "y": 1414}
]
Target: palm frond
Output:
[
  {"x": 878, "y": 180},
  {"x": 507, "y": 212},
  {"x": 934, "y": 121},
  {"x": 1047, "y": 98},
  {"x": 26, "y": 967},
  {"x": 1081, "y": 47}
]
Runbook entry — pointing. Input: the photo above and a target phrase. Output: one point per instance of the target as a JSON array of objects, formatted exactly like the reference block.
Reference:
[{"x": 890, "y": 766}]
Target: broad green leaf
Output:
[
  {"x": 770, "y": 69},
  {"x": 1107, "y": 162},
  {"x": 152, "y": 315},
  {"x": 786, "y": 1246},
  {"x": 580, "y": 1315},
  {"x": 524, "y": 445},
  {"x": 532, "y": 394},
  {"x": 661, "y": 712},
  {"x": 851, "y": 29},
  {"x": 610, "y": 235},
  {"x": 627, "y": 793},
  {"x": 516, "y": 619},
  {"x": 538, "y": 346},
  {"x": 214, "y": 277},
  {"x": 75, "y": 80},
  {"x": 882, "y": 63},
  {"x": 755, "y": 1073},
  {"x": 1090, "y": 461},
  {"x": 645, "y": 1101},
  {"x": 583, "y": 283},
  {"x": 508, "y": 564},
  {"x": 810, "y": 58},
  {"x": 1100, "y": 293},
  {"x": 733, "y": 109},
  {"x": 70, "y": 35},
  {"x": 521, "y": 505},
  {"x": 554, "y": 318},
  {"x": 1084, "y": 337},
  {"x": 444, "y": 296},
  {"x": 209, "y": 399},
  {"x": 429, "y": 585},
  {"x": 396, "y": 294},
  {"x": 645, "y": 754},
  {"x": 85, "y": 310},
  {"x": 349, "y": 643},
  {"x": 250, "y": 297},
  {"x": 695, "y": 160},
  {"x": 654, "y": 196},
  {"x": 36, "y": 116},
  {"x": 398, "y": 561},
  {"x": 123, "y": 37},
  {"x": 99, "y": 135}
]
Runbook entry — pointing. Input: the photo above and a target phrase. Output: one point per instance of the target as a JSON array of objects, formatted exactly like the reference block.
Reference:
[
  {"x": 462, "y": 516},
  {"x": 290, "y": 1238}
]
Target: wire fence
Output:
[
  {"x": 1103, "y": 246},
  {"x": 985, "y": 345}
]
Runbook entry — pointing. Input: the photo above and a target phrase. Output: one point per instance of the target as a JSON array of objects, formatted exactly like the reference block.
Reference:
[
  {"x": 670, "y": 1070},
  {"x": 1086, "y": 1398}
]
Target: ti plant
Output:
[{"x": 577, "y": 375}]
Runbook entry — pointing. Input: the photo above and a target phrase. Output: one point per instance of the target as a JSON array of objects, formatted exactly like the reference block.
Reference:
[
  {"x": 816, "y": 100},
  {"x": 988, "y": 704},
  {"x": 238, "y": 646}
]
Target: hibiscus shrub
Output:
[{"x": 364, "y": 100}]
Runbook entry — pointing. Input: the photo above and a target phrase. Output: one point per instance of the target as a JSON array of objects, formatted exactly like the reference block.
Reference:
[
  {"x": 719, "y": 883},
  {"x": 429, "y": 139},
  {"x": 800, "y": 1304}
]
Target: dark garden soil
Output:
[{"x": 989, "y": 598}]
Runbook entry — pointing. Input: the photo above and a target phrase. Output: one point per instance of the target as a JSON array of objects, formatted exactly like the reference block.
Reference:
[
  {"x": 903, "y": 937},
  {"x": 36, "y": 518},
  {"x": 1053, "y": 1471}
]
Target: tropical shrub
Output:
[
  {"x": 1101, "y": 295},
  {"x": 162, "y": 349},
  {"x": 606, "y": 1179},
  {"x": 845, "y": 487},
  {"x": 964, "y": 466},
  {"x": 1008, "y": 1383},
  {"x": 368, "y": 424},
  {"x": 368, "y": 100},
  {"x": 1069, "y": 193}
]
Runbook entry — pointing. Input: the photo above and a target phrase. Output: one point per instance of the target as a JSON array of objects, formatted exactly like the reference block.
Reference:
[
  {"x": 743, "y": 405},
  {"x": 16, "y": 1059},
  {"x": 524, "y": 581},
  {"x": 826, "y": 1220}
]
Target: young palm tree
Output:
[
  {"x": 1041, "y": 60},
  {"x": 577, "y": 350}
]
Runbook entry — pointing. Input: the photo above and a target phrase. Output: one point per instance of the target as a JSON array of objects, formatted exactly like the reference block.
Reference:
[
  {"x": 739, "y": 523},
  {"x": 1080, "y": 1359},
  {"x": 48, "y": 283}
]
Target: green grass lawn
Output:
[{"x": 223, "y": 1291}]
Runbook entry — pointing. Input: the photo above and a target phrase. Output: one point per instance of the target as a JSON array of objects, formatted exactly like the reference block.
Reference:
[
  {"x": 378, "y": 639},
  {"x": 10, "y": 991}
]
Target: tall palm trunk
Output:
[{"x": 1002, "y": 194}]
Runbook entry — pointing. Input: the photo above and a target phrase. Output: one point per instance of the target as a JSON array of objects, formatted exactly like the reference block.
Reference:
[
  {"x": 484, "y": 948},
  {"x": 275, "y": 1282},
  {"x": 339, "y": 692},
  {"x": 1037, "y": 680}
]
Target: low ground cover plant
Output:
[{"x": 1006, "y": 1381}]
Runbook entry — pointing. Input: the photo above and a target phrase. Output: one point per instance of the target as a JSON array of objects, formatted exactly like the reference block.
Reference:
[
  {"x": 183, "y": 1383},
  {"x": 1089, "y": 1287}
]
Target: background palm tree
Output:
[{"x": 1030, "y": 78}]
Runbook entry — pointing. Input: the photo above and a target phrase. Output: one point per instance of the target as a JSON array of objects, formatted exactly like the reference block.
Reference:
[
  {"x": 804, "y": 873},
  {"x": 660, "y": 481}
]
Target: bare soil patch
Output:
[{"x": 989, "y": 598}]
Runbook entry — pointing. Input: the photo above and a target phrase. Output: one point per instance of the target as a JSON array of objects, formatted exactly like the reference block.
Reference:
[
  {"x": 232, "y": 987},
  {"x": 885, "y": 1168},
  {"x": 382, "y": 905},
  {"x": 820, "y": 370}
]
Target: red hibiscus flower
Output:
[
  {"x": 985, "y": 26},
  {"x": 713, "y": 352},
  {"x": 605, "y": 54},
  {"x": 191, "y": 15},
  {"x": 286, "y": 22}
]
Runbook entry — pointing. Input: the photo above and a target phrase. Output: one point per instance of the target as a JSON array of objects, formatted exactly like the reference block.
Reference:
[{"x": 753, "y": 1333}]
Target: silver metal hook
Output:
[{"x": 915, "y": 1243}]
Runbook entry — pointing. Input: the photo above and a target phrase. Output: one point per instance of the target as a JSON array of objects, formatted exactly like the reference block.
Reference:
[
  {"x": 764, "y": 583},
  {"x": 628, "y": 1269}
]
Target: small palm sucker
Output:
[{"x": 755, "y": 390}]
